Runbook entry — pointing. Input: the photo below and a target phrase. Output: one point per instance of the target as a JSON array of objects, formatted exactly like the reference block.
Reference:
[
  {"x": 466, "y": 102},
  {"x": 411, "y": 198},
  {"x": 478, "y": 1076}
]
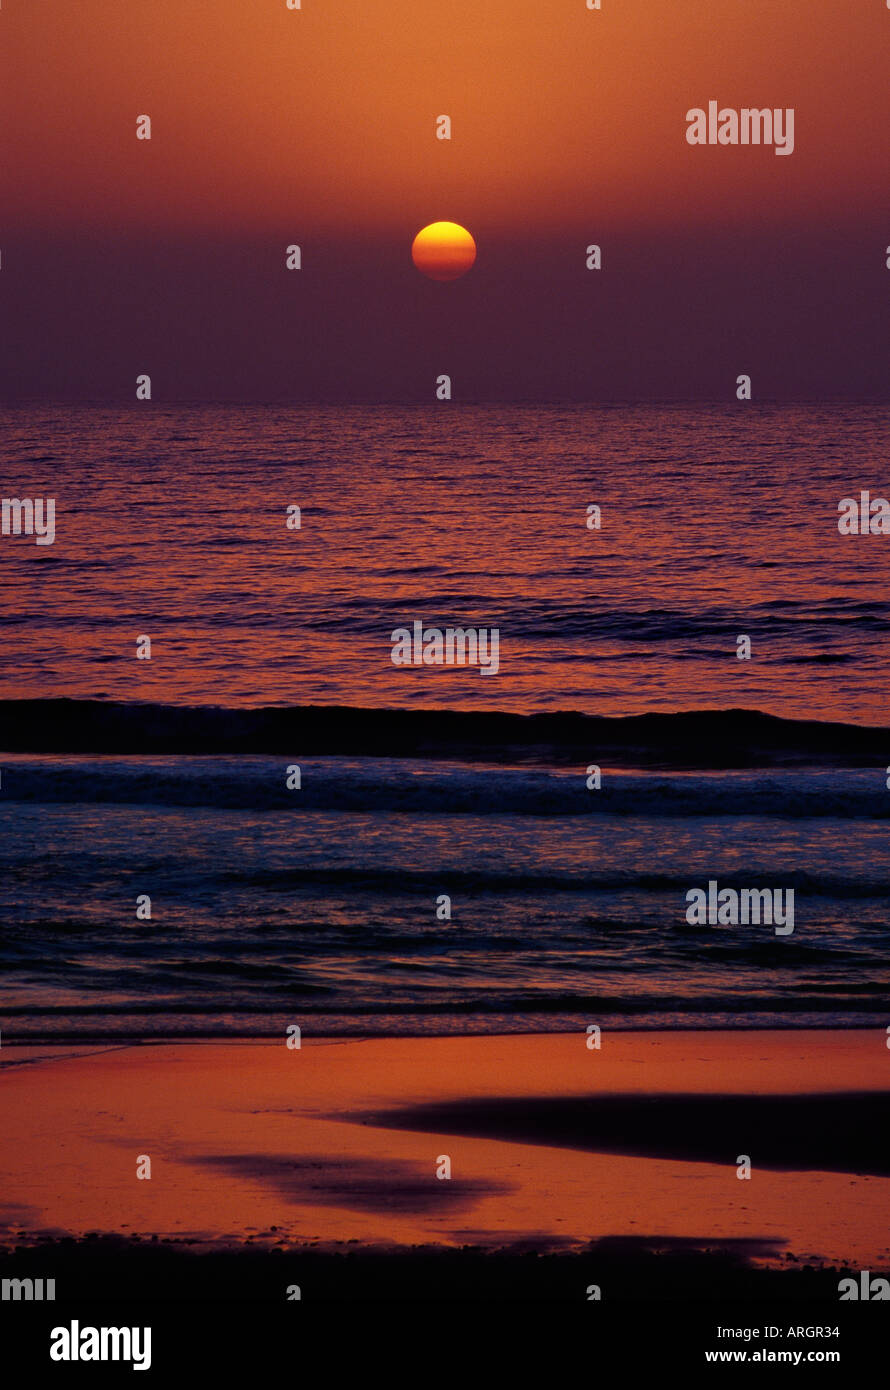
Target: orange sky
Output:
[
  {"x": 317, "y": 127},
  {"x": 265, "y": 117}
]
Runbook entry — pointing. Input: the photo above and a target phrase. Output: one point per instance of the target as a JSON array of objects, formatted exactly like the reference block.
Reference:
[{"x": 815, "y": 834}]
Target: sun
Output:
[{"x": 443, "y": 250}]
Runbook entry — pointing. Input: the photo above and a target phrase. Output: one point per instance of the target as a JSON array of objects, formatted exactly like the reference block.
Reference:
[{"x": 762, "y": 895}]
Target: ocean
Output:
[
  {"x": 716, "y": 521},
  {"x": 271, "y": 647}
]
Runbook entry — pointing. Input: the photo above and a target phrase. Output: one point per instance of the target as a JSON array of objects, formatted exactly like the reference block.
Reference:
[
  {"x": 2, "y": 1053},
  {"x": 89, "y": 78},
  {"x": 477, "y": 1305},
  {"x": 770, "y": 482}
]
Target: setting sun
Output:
[{"x": 443, "y": 250}]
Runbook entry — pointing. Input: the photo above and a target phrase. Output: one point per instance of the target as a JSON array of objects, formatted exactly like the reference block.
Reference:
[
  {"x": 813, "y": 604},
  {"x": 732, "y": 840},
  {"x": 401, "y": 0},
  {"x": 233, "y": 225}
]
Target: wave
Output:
[
  {"x": 708, "y": 738},
  {"x": 374, "y": 786},
  {"x": 509, "y": 884}
]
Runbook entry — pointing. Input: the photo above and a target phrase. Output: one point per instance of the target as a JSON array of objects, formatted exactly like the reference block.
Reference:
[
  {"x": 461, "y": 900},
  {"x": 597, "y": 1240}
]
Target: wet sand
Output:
[{"x": 552, "y": 1146}]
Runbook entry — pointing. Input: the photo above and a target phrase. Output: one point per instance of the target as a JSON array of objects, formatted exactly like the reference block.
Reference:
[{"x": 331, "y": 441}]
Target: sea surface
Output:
[
  {"x": 321, "y": 906},
  {"x": 272, "y": 906},
  {"x": 717, "y": 521}
]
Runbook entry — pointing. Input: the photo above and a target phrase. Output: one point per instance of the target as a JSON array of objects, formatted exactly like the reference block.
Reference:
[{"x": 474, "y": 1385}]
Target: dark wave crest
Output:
[{"x": 731, "y": 738}]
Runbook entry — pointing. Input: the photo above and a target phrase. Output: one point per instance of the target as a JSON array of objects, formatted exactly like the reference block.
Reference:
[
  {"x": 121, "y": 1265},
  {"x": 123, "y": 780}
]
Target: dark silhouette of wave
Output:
[{"x": 731, "y": 738}]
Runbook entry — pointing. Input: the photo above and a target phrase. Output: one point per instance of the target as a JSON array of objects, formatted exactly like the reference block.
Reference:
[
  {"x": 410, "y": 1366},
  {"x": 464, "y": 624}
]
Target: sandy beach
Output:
[{"x": 552, "y": 1145}]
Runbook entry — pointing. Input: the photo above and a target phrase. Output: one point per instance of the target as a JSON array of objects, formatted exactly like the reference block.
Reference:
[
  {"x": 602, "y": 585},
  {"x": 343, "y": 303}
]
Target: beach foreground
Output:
[{"x": 554, "y": 1148}]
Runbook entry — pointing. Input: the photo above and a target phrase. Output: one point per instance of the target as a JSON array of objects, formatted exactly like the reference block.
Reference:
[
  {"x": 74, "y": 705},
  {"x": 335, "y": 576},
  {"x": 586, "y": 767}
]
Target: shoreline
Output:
[
  {"x": 115, "y": 1041},
  {"x": 88, "y": 1044}
]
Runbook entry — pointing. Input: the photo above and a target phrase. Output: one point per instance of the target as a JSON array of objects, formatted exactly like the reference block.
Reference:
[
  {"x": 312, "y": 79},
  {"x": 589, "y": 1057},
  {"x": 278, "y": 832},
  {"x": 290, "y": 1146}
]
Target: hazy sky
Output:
[{"x": 317, "y": 127}]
